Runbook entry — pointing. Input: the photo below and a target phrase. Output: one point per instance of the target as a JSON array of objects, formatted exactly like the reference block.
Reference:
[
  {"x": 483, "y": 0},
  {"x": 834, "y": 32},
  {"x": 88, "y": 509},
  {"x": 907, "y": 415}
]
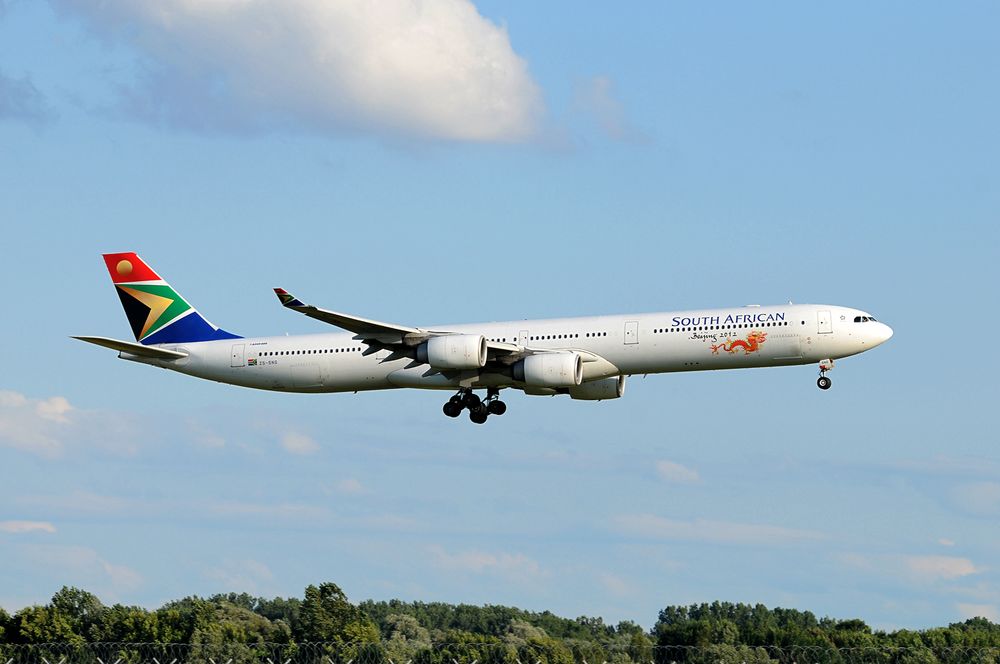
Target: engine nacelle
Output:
[
  {"x": 454, "y": 351},
  {"x": 599, "y": 390},
  {"x": 550, "y": 370}
]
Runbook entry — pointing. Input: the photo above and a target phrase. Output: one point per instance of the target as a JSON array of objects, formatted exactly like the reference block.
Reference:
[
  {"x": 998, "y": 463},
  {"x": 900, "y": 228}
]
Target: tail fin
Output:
[{"x": 156, "y": 312}]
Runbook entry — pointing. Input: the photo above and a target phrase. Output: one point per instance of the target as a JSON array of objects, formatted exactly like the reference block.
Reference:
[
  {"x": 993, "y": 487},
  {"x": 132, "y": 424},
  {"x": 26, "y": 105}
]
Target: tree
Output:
[
  {"x": 125, "y": 624},
  {"x": 81, "y": 608},
  {"x": 520, "y": 632},
  {"x": 285, "y": 610},
  {"x": 327, "y": 616},
  {"x": 728, "y": 654},
  {"x": 406, "y": 637},
  {"x": 44, "y": 624}
]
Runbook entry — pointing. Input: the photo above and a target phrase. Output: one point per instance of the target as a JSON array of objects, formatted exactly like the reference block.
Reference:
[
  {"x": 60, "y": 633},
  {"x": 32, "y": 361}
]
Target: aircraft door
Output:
[
  {"x": 632, "y": 332},
  {"x": 237, "y": 356},
  {"x": 824, "y": 323},
  {"x": 522, "y": 338}
]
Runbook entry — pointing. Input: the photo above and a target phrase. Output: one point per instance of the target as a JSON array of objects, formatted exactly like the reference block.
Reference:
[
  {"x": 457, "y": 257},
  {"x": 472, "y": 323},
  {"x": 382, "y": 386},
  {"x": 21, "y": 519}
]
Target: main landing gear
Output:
[
  {"x": 479, "y": 409},
  {"x": 823, "y": 382}
]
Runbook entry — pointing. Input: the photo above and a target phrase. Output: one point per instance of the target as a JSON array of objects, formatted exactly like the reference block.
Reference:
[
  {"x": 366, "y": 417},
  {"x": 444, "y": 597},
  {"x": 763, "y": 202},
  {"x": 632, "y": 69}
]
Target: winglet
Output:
[{"x": 287, "y": 299}]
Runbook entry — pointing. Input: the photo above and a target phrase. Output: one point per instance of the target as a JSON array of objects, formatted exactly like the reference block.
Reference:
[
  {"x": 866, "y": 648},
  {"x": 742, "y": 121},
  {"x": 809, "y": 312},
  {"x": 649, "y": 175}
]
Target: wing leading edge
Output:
[
  {"x": 398, "y": 338},
  {"x": 364, "y": 328}
]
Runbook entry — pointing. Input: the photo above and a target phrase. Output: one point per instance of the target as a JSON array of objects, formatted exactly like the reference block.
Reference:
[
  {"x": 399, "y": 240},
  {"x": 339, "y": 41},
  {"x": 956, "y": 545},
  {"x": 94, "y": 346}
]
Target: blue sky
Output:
[{"x": 493, "y": 162}]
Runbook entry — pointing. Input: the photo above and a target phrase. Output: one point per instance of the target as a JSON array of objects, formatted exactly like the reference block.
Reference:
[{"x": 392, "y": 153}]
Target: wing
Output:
[
  {"x": 401, "y": 339},
  {"x": 371, "y": 330},
  {"x": 134, "y": 348}
]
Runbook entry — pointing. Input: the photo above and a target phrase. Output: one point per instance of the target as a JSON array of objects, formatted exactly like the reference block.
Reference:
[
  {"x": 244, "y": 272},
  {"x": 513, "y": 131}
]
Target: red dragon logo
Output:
[{"x": 749, "y": 345}]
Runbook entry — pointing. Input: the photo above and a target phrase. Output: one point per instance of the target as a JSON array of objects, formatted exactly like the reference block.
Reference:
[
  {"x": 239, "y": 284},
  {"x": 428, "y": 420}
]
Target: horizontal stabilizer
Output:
[{"x": 134, "y": 348}]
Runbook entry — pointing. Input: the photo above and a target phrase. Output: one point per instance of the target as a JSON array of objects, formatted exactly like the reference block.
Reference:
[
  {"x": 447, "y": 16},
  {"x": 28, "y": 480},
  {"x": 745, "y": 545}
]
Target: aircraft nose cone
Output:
[{"x": 884, "y": 333}]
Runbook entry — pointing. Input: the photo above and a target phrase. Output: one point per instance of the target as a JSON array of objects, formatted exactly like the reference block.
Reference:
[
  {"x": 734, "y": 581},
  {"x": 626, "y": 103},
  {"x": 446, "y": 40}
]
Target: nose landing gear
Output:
[
  {"x": 479, "y": 410},
  {"x": 823, "y": 382}
]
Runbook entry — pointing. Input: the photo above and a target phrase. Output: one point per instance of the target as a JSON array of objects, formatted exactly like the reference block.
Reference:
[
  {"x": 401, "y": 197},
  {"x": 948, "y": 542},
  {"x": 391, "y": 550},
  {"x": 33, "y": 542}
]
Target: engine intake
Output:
[
  {"x": 550, "y": 370},
  {"x": 454, "y": 351},
  {"x": 599, "y": 390}
]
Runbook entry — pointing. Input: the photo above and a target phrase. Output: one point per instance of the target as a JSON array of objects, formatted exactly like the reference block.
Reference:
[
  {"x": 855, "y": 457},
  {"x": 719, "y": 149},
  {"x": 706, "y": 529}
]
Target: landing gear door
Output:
[
  {"x": 632, "y": 332},
  {"x": 824, "y": 323},
  {"x": 237, "y": 355}
]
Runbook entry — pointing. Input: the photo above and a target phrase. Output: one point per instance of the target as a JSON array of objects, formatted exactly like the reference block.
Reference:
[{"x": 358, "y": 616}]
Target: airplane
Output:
[{"x": 586, "y": 358}]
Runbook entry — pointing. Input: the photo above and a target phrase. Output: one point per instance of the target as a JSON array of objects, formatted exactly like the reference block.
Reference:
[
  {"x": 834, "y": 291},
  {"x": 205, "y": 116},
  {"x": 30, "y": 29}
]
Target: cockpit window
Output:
[
  {"x": 864, "y": 319},
  {"x": 857, "y": 319}
]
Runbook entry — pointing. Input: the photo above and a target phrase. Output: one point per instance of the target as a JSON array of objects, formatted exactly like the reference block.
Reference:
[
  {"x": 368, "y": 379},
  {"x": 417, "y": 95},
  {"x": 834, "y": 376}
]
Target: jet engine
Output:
[
  {"x": 550, "y": 370},
  {"x": 599, "y": 390},
  {"x": 454, "y": 351}
]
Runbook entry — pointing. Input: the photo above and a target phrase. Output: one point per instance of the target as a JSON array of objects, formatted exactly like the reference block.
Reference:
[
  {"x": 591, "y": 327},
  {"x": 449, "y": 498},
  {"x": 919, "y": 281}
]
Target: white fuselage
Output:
[{"x": 629, "y": 344}]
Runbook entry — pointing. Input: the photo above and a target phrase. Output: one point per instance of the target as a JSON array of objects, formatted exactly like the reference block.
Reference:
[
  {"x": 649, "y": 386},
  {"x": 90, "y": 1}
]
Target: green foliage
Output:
[
  {"x": 82, "y": 609},
  {"x": 324, "y": 623},
  {"x": 404, "y": 637},
  {"x": 326, "y": 616},
  {"x": 730, "y": 654},
  {"x": 491, "y": 620},
  {"x": 44, "y": 624},
  {"x": 125, "y": 624}
]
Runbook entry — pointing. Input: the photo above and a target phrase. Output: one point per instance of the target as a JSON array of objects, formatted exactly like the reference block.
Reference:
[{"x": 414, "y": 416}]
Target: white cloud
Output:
[
  {"x": 944, "y": 541},
  {"x": 240, "y": 575},
  {"x": 205, "y": 437},
  {"x": 49, "y": 427},
  {"x": 121, "y": 577},
  {"x": 430, "y": 70},
  {"x": 978, "y": 498},
  {"x": 919, "y": 569},
  {"x": 26, "y": 527},
  {"x": 350, "y": 486},
  {"x": 616, "y": 585},
  {"x": 298, "y": 443},
  {"x": 704, "y": 530},
  {"x": 283, "y": 511},
  {"x": 988, "y": 611},
  {"x": 512, "y": 566},
  {"x": 83, "y": 566},
  {"x": 933, "y": 568},
  {"x": 945, "y": 466},
  {"x": 596, "y": 97},
  {"x": 675, "y": 472},
  {"x": 390, "y": 522},
  {"x": 80, "y": 502},
  {"x": 33, "y": 425}
]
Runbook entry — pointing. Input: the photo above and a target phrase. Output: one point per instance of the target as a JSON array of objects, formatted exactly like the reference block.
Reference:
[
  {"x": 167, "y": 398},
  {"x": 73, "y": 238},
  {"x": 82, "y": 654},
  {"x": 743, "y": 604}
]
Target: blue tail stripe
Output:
[{"x": 187, "y": 329}]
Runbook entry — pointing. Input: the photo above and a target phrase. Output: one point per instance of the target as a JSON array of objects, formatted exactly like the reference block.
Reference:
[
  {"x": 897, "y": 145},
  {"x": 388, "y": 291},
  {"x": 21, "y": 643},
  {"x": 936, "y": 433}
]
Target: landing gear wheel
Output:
[
  {"x": 497, "y": 407},
  {"x": 479, "y": 416},
  {"x": 453, "y": 408},
  {"x": 824, "y": 383},
  {"x": 471, "y": 401}
]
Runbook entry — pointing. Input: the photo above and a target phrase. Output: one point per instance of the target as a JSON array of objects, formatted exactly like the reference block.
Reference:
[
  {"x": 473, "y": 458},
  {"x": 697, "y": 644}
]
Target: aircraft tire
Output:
[
  {"x": 452, "y": 409},
  {"x": 824, "y": 383},
  {"x": 497, "y": 407},
  {"x": 479, "y": 416}
]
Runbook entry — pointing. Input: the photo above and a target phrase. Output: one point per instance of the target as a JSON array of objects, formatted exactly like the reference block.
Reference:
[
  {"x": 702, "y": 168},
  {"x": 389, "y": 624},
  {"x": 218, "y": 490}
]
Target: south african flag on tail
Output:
[{"x": 156, "y": 312}]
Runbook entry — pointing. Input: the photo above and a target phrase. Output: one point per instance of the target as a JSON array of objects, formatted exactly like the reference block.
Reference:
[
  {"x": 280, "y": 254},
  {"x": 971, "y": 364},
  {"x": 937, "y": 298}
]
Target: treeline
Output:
[{"x": 403, "y": 631}]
